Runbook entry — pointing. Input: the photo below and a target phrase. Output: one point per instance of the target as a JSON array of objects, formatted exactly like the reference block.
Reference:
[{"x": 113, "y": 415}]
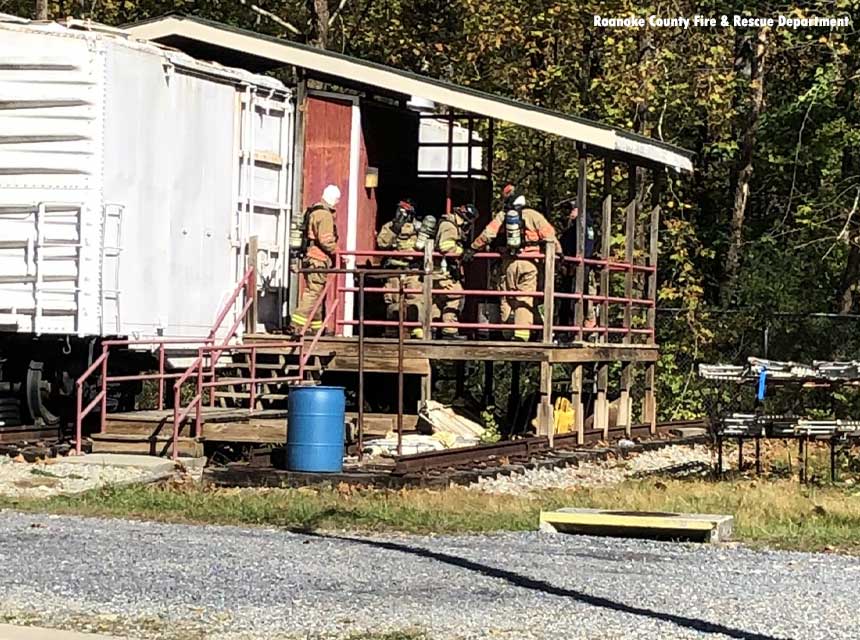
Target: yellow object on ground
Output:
[
  {"x": 563, "y": 416},
  {"x": 638, "y": 524}
]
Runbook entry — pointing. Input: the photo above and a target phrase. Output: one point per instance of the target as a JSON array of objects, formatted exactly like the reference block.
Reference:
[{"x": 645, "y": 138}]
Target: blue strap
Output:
[{"x": 761, "y": 384}]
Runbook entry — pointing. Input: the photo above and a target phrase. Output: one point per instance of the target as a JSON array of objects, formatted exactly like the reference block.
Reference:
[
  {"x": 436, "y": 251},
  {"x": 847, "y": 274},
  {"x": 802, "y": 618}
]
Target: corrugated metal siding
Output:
[
  {"x": 132, "y": 153},
  {"x": 50, "y": 182}
]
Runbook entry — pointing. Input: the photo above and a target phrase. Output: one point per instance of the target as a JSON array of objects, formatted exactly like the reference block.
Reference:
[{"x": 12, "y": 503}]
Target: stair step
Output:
[
  {"x": 247, "y": 396},
  {"x": 269, "y": 366},
  {"x": 266, "y": 381},
  {"x": 133, "y": 443}
]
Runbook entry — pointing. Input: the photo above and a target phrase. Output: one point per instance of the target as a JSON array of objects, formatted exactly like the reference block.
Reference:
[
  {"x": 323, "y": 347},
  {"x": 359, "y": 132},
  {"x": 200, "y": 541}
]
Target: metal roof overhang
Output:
[{"x": 257, "y": 51}]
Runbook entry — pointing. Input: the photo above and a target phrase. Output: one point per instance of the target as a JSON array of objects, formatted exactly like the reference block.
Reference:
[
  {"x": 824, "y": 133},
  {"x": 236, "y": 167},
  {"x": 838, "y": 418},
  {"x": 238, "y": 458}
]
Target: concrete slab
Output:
[
  {"x": 688, "y": 432},
  {"x": 150, "y": 463},
  {"x": 701, "y": 527},
  {"x": 12, "y": 632}
]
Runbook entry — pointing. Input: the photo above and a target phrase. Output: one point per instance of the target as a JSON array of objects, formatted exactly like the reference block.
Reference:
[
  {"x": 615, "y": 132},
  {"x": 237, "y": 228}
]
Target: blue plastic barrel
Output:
[{"x": 315, "y": 429}]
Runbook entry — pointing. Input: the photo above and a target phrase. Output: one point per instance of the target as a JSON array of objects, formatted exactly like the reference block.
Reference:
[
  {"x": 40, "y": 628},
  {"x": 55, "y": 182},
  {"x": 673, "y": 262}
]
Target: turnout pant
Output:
[
  {"x": 314, "y": 283},
  {"x": 447, "y": 306},
  {"x": 519, "y": 276},
  {"x": 413, "y": 303}
]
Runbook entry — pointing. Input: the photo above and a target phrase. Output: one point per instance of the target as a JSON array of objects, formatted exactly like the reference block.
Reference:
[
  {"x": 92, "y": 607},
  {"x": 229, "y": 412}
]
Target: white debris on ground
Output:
[
  {"x": 20, "y": 479},
  {"x": 447, "y": 430},
  {"x": 680, "y": 458}
]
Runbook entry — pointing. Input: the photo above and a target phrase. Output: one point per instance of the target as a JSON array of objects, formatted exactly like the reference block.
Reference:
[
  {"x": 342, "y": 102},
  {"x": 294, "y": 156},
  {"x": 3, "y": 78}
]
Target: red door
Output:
[{"x": 328, "y": 148}]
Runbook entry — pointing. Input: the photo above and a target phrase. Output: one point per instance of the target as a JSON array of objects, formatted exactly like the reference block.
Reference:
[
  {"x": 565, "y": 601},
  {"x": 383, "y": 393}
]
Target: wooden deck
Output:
[
  {"x": 381, "y": 353},
  {"x": 234, "y": 425}
]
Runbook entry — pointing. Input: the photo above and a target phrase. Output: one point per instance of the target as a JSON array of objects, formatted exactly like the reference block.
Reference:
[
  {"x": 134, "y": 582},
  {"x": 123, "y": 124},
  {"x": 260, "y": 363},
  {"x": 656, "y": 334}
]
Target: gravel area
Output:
[
  {"x": 180, "y": 581},
  {"x": 19, "y": 479},
  {"x": 679, "y": 460}
]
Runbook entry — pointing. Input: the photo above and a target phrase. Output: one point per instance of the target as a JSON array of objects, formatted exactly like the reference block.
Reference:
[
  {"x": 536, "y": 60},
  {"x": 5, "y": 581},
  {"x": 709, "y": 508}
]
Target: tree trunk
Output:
[
  {"x": 745, "y": 164},
  {"x": 41, "y": 9},
  {"x": 850, "y": 279},
  {"x": 320, "y": 27}
]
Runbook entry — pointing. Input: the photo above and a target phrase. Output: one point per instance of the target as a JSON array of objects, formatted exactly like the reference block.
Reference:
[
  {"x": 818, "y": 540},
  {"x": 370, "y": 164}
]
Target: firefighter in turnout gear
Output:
[
  {"x": 525, "y": 230},
  {"x": 452, "y": 237},
  {"x": 401, "y": 234},
  {"x": 319, "y": 237}
]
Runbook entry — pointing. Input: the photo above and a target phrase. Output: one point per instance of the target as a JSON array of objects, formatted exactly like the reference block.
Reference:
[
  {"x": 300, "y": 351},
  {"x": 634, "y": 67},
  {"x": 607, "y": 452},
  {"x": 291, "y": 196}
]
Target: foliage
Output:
[
  {"x": 801, "y": 235},
  {"x": 779, "y": 513},
  {"x": 491, "y": 426}
]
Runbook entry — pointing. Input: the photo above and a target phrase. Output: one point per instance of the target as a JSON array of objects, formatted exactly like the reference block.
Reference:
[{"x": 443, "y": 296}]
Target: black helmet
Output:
[{"x": 468, "y": 212}]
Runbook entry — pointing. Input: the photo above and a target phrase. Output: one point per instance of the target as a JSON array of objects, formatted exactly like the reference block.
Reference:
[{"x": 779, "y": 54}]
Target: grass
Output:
[{"x": 778, "y": 513}]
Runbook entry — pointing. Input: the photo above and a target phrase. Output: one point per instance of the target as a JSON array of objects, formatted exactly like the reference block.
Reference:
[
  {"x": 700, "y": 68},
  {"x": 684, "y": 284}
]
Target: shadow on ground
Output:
[{"x": 525, "y": 582}]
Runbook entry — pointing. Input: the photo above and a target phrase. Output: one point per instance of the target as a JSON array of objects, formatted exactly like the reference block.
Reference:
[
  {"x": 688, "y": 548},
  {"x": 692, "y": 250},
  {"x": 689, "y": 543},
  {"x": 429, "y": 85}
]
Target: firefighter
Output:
[
  {"x": 319, "y": 246},
  {"x": 401, "y": 234},
  {"x": 568, "y": 281},
  {"x": 452, "y": 237},
  {"x": 525, "y": 231}
]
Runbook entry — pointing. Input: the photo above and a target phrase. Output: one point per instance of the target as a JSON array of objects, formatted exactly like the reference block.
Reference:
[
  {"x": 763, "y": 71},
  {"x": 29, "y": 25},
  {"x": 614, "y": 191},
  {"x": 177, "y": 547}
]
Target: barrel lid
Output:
[{"x": 319, "y": 387}]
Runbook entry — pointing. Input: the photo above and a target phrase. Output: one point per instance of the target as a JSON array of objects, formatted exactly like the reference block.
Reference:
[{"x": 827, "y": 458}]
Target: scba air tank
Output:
[
  {"x": 297, "y": 233},
  {"x": 513, "y": 229},
  {"x": 425, "y": 232}
]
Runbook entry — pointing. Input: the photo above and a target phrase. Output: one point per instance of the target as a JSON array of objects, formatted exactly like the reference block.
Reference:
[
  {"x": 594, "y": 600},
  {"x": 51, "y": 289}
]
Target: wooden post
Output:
[
  {"x": 460, "y": 373},
  {"x": 652, "y": 277},
  {"x": 548, "y": 292},
  {"x": 426, "y": 388},
  {"x": 649, "y": 404},
  {"x": 601, "y": 406},
  {"x": 629, "y": 246},
  {"x": 513, "y": 397},
  {"x": 426, "y": 321},
  {"x": 576, "y": 401},
  {"x": 631, "y": 213},
  {"x": 606, "y": 244},
  {"x": 545, "y": 413},
  {"x": 581, "y": 203},
  {"x": 489, "y": 395},
  {"x": 253, "y": 247},
  {"x": 624, "y": 400},
  {"x": 361, "y": 355}
]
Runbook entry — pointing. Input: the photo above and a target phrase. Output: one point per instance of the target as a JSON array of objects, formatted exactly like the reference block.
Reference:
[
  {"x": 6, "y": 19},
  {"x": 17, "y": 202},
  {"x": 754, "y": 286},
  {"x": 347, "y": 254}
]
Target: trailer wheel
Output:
[{"x": 37, "y": 393}]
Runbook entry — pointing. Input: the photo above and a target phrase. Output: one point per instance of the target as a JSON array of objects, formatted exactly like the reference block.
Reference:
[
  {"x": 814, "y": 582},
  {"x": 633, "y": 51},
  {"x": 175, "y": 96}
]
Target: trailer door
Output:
[{"x": 264, "y": 194}]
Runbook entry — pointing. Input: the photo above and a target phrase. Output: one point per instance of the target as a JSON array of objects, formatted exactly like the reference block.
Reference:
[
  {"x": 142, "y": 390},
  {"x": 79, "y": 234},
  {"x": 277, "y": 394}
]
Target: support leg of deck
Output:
[
  {"x": 426, "y": 388},
  {"x": 625, "y": 407},
  {"x": 576, "y": 401},
  {"x": 601, "y": 405},
  {"x": 460, "y": 368},
  {"x": 832, "y": 459},
  {"x": 545, "y": 417},
  {"x": 489, "y": 396},
  {"x": 513, "y": 399},
  {"x": 649, "y": 402}
]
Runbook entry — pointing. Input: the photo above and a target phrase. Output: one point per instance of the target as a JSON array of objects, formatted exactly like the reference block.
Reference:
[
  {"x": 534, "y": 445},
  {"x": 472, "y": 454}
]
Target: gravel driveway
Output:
[{"x": 177, "y": 581}]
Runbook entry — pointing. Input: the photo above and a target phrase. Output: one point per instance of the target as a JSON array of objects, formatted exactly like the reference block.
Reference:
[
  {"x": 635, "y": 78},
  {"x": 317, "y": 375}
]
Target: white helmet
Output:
[
  {"x": 520, "y": 201},
  {"x": 331, "y": 195}
]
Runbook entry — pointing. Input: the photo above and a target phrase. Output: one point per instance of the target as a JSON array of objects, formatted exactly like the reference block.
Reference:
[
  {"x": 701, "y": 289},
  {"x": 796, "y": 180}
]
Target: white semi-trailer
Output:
[{"x": 132, "y": 177}]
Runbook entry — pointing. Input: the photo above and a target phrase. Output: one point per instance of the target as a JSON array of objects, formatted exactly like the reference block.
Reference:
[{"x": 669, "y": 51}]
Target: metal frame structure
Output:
[{"x": 626, "y": 277}]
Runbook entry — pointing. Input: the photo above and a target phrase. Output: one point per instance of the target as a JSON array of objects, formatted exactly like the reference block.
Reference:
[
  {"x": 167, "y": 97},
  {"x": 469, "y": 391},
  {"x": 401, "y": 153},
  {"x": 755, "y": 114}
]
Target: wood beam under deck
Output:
[{"x": 384, "y": 349}]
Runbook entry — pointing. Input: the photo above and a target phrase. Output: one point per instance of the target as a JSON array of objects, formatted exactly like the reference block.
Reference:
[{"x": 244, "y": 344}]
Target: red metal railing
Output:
[
  {"x": 558, "y": 297},
  {"x": 246, "y": 285},
  {"x": 214, "y": 353}
]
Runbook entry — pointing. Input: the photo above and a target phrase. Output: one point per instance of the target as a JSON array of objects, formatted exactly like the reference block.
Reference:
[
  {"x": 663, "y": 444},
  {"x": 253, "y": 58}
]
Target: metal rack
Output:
[{"x": 758, "y": 424}]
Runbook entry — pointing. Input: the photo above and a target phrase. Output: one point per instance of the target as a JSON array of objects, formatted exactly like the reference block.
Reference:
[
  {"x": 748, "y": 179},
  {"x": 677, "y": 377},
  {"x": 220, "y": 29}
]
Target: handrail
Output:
[
  {"x": 101, "y": 396},
  {"x": 242, "y": 284},
  {"x": 247, "y": 284}
]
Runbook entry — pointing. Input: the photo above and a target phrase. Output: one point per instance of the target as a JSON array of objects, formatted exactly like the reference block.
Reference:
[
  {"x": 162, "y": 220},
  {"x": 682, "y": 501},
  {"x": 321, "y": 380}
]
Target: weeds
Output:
[{"x": 779, "y": 513}]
